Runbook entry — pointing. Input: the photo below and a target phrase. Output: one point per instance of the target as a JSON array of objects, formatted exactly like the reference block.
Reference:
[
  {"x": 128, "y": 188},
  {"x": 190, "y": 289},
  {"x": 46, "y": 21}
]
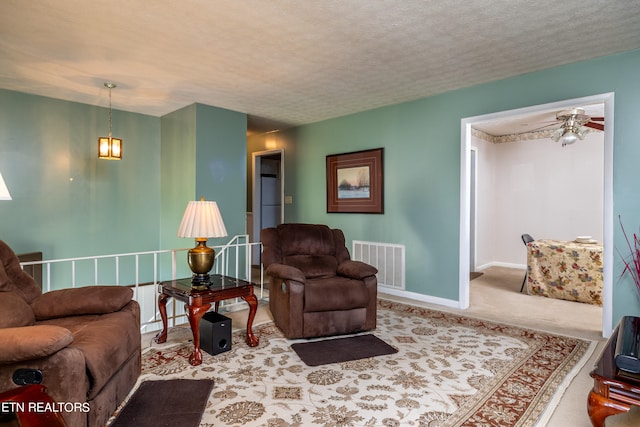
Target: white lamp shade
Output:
[
  {"x": 4, "y": 191},
  {"x": 202, "y": 219}
]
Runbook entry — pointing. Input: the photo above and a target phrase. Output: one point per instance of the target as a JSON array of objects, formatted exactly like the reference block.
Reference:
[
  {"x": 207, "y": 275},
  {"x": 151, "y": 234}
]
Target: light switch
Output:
[{"x": 288, "y": 200}]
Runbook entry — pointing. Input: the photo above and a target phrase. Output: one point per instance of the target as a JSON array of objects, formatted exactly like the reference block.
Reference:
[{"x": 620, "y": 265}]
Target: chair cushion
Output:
[
  {"x": 336, "y": 293},
  {"x": 32, "y": 342},
  {"x": 356, "y": 269},
  {"x": 306, "y": 239},
  {"x": 313, "y": 266},
  {"x": 79, "y": 301},
  {"x": 15, "y": 311},
  {"x": 115, "y": 334}
]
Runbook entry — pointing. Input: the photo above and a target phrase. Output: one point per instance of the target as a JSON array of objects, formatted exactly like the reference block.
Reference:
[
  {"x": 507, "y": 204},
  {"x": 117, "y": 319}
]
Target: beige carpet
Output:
[{"x": 450, "y": 370}]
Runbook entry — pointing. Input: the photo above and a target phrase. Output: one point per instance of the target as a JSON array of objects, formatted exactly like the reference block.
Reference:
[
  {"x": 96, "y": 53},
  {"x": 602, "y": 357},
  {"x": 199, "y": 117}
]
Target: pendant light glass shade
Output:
[{"x": 109, "y": 148}]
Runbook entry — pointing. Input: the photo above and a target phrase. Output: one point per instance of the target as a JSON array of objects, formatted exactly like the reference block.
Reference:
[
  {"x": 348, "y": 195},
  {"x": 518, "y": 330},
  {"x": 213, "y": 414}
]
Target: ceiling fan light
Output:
[
  {"x": 569, "y": 138},
  {"x": 582, "y": 131},
  {"x": 557, "y": 134}
]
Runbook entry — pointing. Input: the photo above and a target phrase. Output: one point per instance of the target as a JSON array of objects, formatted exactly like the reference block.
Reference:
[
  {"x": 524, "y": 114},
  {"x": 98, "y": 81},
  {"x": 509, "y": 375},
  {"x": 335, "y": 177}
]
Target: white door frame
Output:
[
  {"x": 257, "y": 193},
  {"x": 465, "y": 170},
  {"x": 473, "y": 219}
]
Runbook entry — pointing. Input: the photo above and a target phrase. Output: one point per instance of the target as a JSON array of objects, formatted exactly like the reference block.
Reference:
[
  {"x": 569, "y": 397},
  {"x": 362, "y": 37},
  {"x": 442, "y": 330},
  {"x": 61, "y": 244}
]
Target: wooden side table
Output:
[
  {"x": 613, "y": 391},
  {"x": 198, "y": 302}
]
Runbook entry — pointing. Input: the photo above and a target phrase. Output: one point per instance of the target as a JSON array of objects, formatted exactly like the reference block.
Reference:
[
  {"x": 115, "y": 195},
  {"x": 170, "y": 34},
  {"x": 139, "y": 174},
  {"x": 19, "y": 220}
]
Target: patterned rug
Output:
[{"x": 450, "y": 370}]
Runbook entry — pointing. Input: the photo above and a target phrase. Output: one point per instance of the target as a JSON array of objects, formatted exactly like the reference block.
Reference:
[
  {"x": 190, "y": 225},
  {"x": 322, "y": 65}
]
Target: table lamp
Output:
[
  {"x": 201, "y": 221},
  {"x": 4, "y": 191}
]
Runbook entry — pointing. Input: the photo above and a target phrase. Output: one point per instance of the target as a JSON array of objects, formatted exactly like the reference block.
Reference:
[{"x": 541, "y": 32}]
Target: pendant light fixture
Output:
[{"x": 109, "y": 148}]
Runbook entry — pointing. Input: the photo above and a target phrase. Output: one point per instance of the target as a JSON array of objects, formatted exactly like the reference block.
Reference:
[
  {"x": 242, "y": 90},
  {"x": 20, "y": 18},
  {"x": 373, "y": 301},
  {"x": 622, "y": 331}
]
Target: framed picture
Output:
[{"x": 355, "y": 182}]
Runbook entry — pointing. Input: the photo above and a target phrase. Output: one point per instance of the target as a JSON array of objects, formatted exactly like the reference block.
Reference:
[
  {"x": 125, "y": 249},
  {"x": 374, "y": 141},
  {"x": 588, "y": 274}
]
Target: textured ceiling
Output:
[{"x": 291, "y": 62}]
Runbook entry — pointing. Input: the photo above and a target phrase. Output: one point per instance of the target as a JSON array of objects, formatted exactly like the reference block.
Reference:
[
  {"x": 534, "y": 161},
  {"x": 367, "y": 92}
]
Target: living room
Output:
[{"x": 67, "y": 203}]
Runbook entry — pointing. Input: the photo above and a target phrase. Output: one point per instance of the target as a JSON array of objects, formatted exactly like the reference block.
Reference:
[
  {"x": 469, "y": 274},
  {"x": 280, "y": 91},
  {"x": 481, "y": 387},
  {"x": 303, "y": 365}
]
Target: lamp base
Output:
[
  {"x": 200, "y": 282},
  {"x": 201, "y": 260}
]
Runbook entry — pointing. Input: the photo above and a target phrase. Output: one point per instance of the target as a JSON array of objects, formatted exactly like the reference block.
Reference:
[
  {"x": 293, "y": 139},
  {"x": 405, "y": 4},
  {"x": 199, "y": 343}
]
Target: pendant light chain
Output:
[{"x": 110, "y": 86}]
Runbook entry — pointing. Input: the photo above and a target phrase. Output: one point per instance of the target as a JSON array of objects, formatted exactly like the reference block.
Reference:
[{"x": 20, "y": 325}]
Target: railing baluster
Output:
[
  {"x": 222, "y": 266},
  {"x": 73, "y": 274},
  {"x": 95, "y": 271},
  {"x": 155, "y": 268},
  {"x": 174, "y": 266},
  {"x": 117, "y": 270},
  {"x": 48, "y": 277},
  {"x": 135, "y": 288}
]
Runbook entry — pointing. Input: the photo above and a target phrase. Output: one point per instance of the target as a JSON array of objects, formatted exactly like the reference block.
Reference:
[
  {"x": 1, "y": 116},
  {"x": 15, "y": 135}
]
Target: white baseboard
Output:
[
  {"x": 443, "y": 301},
  {"x": 420, "y": 297},
  {"x": 501, "y": 264}
]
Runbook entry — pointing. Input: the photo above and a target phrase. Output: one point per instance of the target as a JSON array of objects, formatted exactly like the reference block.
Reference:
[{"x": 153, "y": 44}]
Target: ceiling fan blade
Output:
[
  {"x": 555, "y": 123},
  {"x": 598, "y": 126},
  {"x": 596, "y": 119}
]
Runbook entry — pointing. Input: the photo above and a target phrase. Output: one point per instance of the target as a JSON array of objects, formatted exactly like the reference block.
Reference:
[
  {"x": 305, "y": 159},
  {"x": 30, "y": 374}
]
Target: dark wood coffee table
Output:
[
  {"x": 613, "y": 391},
  {"x": 198, "y": 302}
]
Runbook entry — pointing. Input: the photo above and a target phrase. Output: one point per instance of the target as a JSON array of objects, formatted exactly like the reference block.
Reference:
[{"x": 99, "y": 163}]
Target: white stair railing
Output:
[{"x": 144, "y": 270}]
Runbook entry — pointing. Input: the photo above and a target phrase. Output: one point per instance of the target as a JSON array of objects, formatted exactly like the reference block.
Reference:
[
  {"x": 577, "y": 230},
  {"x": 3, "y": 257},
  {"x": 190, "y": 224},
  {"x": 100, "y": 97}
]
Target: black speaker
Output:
[{"x": 215, "y": 333}]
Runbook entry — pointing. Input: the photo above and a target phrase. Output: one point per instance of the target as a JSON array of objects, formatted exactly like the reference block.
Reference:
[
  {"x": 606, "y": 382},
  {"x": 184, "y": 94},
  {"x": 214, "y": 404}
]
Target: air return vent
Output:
[{"x": 388, "y": 258}]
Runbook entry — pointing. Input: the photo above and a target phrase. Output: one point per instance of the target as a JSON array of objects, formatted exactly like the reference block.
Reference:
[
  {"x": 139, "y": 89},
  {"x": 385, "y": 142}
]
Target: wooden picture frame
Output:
[{"x": 355, "y": 182}]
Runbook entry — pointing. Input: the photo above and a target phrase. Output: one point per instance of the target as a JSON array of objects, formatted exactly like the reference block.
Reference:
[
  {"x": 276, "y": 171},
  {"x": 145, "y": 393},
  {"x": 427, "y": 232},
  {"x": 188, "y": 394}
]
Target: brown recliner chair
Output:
[
  {"x": 315, "y": 288},
  {"x": 83, "y": 342}
]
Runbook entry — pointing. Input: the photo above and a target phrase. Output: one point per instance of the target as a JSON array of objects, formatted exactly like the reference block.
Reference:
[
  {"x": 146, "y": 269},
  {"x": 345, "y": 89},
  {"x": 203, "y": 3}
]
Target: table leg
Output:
[
  {"x": 599, "y": 408},
  {"x": 252, "y": 340},
  {"x": 162, "y": 307},
  {"x": 195, "y": 313}
]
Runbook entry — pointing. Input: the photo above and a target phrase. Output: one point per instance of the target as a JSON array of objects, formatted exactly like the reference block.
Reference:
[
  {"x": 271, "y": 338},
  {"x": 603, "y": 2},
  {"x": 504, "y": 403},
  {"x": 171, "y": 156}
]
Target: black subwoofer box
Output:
[{"x": 215, "y": 333}]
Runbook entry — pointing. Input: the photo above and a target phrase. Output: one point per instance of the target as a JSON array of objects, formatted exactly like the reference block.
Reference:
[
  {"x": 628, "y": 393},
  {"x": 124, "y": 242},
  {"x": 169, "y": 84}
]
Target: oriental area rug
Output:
[{"x": 450, "y": 370}]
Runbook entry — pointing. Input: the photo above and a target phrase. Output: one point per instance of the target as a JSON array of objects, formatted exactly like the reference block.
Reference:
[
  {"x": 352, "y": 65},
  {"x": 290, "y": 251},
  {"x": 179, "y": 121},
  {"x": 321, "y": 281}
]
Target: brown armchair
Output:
[
  {"x": 82, "y": 344},
  {"x": 315, "y": 288}
]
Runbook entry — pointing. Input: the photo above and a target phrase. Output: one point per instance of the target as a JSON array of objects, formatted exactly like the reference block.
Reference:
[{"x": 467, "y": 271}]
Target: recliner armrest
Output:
[
  {"x": 79, "y": 301},
  {"x": 32, "y": 342},
  {"x": 285, "y": 272},
  {"x": 356, "y": 269}
]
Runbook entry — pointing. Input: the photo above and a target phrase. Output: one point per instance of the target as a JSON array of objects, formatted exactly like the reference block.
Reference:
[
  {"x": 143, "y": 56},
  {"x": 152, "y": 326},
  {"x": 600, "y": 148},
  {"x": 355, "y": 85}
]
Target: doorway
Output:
[
  {"x": 268, "y": 195},
  {"x": 466, "y": 194}
]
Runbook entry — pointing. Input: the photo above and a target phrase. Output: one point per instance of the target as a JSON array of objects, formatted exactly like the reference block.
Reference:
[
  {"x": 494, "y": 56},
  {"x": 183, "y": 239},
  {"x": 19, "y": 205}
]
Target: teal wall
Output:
[
  {"x": 178, "y": 179},
  {"x": 221, "y": 164},
  {"x": 203, "y": 155},
  {"x": 68, "y": 203},
  {"x": 421, "y": 140}
]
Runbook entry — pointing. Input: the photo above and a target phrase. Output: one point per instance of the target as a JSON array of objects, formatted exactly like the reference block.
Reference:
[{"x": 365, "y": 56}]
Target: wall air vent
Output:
[{"x": 388, "y": 258}]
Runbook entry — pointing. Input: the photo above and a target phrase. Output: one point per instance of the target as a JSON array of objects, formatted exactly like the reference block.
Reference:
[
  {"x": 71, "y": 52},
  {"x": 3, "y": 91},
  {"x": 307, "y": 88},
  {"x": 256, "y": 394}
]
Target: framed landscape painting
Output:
[{"x": 355, "y": 182}]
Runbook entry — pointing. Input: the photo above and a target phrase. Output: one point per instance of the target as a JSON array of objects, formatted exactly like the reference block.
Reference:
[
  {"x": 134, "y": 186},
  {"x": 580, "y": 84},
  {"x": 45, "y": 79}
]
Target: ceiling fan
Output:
[{"x": 575, "y": 125}]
